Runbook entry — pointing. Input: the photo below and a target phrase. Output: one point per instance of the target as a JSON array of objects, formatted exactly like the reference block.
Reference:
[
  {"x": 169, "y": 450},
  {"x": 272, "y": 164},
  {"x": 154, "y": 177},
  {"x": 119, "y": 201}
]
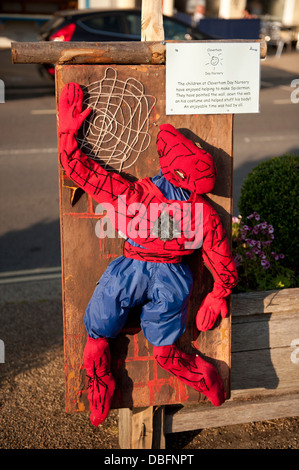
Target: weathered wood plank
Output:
[
  {"x": 264, "y": 370},
  {"x": 267, "y": 332},
  {"x": 233, "y": 412},
  {"x": 58, "y": 53},
  {"x": 132, "y": 53},
  {"x": 276, "y": 301},
  {"x": 265, "y": 345}
]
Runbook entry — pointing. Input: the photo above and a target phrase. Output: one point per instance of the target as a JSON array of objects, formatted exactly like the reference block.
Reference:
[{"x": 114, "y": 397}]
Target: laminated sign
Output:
[{"x": 212, "y": 78}]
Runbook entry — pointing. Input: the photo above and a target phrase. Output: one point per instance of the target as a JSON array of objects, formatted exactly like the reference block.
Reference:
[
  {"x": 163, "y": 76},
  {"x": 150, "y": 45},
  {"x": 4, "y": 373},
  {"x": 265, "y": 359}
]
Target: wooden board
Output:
[
  {"x": 230, "y": 413},
  {"x": 139, "y": 380},
  {"x": 265, "y": 343}
]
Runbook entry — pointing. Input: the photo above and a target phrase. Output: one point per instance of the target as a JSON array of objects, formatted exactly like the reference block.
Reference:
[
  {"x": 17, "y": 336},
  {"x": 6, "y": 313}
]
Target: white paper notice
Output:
[{"x": 212, "y": 78}]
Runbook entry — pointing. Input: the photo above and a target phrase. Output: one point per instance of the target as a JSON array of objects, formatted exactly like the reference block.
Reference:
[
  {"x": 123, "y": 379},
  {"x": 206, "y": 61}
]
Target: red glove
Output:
[
  {"x": 71, "y": 115},
  {"x": 213, "y": 305},
  {"x": 209, "y": 311}
]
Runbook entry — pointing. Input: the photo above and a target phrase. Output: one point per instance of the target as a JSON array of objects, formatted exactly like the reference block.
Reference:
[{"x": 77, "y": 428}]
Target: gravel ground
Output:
[{"x": 32, "y": 396}]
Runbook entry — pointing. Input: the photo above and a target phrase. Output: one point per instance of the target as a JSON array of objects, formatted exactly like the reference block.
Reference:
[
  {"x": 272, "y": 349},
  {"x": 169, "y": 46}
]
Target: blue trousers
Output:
[{"x": 161, "y": 290}]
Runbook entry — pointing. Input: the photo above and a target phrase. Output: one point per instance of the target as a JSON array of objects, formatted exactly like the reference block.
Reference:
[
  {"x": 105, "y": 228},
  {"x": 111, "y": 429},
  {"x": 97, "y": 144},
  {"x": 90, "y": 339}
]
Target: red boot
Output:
[
  {"x": 193, "y": 371},
  {"x": 101, "y": 383}
]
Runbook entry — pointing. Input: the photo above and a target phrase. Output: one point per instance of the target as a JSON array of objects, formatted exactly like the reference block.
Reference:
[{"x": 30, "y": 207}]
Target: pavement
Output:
[
  {"x": 32, "y": 369},
  {"x": 288, "y": 62}
]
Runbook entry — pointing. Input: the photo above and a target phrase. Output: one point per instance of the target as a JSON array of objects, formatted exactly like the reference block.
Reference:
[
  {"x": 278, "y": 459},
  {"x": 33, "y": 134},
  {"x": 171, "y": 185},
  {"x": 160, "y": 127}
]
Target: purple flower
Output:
[
  {"x": 263, "y": 225},
  {"x": 250, "y": 216},
  {"x": 256, "y": 216},
  {"x": 238, "y": 259},
  {"x": 281, "y": 256},
  {"x": 265, "y": 264},
  {"x": 255, "y": 229},
  {"x": 270, "y": 229}
]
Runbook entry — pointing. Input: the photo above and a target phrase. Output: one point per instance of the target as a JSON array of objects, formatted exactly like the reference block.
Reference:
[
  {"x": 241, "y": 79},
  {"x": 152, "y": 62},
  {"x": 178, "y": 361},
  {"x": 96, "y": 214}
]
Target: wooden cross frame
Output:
[{"x": 141, "y": 386}]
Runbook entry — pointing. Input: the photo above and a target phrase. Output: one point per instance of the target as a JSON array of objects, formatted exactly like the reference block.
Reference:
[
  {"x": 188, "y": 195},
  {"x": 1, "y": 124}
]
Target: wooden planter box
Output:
[{"x": 265, "y": 364}]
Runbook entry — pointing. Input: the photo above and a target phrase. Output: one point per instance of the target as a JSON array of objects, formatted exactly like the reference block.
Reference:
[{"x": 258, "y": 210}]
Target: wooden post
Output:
[
  {"x": 142, "y": 428},
  {"x": 136, "y": 428},
  {"x": 152, "y": 21}
]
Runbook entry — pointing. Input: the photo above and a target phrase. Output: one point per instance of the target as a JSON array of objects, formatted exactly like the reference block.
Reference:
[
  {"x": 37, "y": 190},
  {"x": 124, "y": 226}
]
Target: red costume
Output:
[{"x": 185, "y": 166}]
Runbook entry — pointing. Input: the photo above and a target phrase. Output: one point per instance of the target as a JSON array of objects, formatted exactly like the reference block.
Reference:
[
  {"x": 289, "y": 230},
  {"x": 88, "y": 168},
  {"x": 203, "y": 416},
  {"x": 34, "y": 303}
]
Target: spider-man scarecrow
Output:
[{"x": 151, "y": 273}]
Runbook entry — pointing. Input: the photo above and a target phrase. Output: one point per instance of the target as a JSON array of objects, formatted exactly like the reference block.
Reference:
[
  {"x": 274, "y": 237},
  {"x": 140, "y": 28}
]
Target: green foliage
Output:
[
  {"x": 259, "y": 267},
  {"x": 272, "y": 190}
]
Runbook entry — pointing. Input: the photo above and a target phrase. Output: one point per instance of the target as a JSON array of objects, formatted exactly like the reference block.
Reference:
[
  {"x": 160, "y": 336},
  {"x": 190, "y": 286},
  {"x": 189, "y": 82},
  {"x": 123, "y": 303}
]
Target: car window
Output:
[
  {"x": 109, "y": 23},
  {"x": 133, "y": 23},
  {"x": 173, "y": 30},
  {"x": 130, "y": 24}
]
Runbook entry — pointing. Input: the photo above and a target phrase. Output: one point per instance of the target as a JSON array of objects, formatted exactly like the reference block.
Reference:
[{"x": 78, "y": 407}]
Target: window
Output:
[
  {"x": 109, "y": 23},
  {"x": 134, "y": 24},
  {"x": 173, "y": 30}
]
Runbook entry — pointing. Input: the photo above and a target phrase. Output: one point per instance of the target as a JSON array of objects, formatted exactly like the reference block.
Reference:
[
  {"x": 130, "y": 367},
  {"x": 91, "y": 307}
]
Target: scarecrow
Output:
[{"x": 163, "y": 219}]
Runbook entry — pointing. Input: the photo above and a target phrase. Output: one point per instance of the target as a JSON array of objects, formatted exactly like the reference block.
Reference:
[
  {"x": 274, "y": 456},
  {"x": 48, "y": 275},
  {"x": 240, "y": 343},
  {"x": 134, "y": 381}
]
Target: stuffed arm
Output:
[
  {"x": 218, "y": 259},
  {"x": 103, "y": 185}
]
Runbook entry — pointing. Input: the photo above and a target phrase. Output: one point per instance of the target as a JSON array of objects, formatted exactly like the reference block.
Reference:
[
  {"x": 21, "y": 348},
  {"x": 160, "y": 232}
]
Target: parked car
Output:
[{"x": 109, "y": 25}]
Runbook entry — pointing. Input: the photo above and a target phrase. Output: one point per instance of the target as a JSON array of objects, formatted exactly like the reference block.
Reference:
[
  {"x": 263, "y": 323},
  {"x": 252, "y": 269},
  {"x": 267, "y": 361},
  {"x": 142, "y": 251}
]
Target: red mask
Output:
[{"x": 183, "y": 163}]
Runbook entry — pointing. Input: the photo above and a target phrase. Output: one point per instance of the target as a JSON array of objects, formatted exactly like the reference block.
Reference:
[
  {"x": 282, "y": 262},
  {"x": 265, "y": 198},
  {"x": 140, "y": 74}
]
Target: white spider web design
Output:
[{"x": 117, "y": 129}]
